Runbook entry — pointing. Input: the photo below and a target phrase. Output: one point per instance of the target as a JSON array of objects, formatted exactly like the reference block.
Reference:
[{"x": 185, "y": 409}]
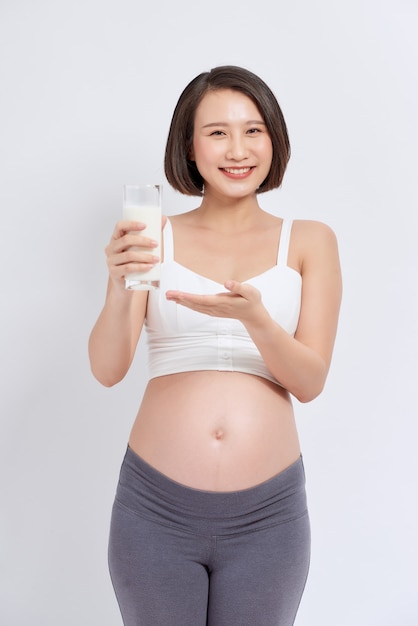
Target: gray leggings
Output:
[{"x": 185, "y": 557}]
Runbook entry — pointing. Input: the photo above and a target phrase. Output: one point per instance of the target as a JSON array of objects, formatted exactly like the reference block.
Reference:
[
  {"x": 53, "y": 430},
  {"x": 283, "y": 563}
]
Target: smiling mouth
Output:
[{"x": 237, "y": 171}]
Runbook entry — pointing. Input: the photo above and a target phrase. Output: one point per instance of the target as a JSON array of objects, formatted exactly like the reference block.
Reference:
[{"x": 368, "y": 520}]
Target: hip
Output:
[{"x": 147, "y": 493}]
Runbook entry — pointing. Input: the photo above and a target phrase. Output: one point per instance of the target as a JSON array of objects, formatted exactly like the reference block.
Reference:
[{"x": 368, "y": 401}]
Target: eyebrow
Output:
[{"x": 213, "y": 124}]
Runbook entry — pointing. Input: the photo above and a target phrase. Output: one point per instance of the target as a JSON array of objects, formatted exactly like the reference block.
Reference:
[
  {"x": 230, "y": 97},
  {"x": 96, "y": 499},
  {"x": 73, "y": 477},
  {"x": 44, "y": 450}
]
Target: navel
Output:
[{"x": 218, "y": 434}]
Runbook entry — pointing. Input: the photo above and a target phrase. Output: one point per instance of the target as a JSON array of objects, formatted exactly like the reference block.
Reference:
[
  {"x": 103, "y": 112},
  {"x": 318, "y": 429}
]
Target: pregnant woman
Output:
[{"x": 210, "y": 525}]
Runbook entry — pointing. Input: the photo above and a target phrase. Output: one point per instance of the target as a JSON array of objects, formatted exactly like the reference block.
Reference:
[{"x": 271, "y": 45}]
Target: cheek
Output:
[
  {"x": 268, "y": 153},
  {"x": 195, "y": 151},
  {"x": 268, "y": 149},
  {"x": 204, "y": 155}
]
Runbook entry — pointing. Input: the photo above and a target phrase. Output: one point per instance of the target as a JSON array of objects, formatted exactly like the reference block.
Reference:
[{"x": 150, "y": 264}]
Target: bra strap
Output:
[
  {"x": 168, "y": 242},
  {"x": 283, "y": 252}
]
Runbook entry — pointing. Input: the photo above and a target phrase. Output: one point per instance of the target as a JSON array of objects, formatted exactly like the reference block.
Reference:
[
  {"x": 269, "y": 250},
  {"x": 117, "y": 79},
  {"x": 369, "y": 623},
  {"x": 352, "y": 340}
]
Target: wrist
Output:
[{"x": 259, "y": 320}]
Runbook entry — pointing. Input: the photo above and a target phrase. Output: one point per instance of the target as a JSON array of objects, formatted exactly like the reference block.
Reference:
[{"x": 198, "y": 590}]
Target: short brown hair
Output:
[{"x": 181, "y": 172}]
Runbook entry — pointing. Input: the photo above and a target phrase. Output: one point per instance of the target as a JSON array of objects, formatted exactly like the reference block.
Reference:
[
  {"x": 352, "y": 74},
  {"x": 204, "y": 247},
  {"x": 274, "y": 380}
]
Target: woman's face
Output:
[{"x": 232, "y": 148}]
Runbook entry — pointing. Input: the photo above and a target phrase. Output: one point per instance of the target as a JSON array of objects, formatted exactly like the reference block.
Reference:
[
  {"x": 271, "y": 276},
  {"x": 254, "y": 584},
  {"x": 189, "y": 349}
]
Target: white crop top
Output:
[{"x": 182, "y": 340}]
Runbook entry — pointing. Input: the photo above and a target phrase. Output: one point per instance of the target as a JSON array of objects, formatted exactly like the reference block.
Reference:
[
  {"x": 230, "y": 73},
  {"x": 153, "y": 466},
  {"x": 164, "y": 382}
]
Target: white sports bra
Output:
[{"x": 182, "y": 340}]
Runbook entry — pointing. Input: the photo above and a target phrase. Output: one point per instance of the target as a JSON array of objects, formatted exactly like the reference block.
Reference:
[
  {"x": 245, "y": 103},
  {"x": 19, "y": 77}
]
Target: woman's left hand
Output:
[{"x": 241, "y": 301}]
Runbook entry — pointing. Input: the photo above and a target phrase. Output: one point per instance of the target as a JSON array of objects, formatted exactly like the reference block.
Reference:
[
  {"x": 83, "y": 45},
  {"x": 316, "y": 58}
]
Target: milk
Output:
[{"x": 150, "y": 215}]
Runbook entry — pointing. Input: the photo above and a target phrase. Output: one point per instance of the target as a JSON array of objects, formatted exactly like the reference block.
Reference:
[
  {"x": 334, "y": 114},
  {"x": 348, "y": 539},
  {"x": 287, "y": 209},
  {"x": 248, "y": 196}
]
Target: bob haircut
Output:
[{"x": 180, "y": 171}]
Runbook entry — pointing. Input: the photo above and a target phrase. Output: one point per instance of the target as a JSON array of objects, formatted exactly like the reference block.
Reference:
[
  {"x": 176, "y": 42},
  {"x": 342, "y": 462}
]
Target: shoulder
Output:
[
  {"x": 309, "y": 234},
  {"x": 313, "y": 242},
  {"x": 309, "y": 228}
]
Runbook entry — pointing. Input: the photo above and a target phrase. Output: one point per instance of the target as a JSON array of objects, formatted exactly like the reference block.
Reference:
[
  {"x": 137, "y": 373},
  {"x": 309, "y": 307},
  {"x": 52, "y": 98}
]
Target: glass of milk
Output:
[{"x": 142, "y": 203}]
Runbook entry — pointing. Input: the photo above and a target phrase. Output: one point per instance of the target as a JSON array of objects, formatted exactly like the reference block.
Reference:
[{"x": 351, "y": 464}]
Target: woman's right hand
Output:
[{"x": 129, "y": 251}]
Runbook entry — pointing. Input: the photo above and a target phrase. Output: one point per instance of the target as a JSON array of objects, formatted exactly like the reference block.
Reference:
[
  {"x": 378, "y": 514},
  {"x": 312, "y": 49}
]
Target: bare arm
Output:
[
  {"x": 115, "y": 335},
  {"x": 299, "y": 363}
]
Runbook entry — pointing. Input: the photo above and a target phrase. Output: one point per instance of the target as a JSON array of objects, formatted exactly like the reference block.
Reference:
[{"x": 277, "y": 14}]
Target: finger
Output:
[
  {"x": 131, "y": 240},
  {"x": 209, "y": 299},
  {"x": 209, "y": 304},
  {"x": 119, "y": 272},
  {"x": 133, "y": 257},
  {"x": 234, "y": 286},
  {"x": 241, "y": 289},
  {"x": 125, "y": 226},
  {"x": 191, "y": 300},
  {"x": 178, "y": 295}
]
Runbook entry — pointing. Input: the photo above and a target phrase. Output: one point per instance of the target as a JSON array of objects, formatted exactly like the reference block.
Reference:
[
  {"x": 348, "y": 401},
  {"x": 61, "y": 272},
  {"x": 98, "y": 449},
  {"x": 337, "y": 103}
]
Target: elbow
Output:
[
  {"x": 310, "y": 390},
  {"x": 307, "y": 395},
  {"x": 107, "y": 379},
  {"x": 107, "y": 374},
  {"x": 107, "y": 383}
]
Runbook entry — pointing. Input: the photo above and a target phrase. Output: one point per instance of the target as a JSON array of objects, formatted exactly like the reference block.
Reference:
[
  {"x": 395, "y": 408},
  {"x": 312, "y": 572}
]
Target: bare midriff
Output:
[{"x": 216, "y": 431}]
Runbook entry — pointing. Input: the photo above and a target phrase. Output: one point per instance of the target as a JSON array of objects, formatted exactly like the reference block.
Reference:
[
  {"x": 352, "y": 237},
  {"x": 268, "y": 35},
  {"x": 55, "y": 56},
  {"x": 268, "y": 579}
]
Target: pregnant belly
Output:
[{"x": 216, "y": 431}]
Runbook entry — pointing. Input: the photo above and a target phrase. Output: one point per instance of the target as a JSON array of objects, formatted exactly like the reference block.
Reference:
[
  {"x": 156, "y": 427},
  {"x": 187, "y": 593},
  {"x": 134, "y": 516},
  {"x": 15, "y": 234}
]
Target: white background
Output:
[{"x": 86, "y": 95}]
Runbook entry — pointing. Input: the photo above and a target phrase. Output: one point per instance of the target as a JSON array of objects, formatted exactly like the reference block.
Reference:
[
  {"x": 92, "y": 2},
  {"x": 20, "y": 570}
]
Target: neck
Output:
[{"x": 232, "y": 215}]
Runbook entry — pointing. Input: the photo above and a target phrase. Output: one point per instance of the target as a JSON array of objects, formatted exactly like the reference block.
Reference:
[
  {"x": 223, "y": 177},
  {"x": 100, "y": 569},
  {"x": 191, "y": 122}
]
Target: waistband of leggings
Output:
[{"x": 276, "y": 491}]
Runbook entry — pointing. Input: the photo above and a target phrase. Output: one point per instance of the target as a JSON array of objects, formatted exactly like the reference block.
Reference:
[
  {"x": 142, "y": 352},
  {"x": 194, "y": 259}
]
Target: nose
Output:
[{"x": 237, "y": 150}]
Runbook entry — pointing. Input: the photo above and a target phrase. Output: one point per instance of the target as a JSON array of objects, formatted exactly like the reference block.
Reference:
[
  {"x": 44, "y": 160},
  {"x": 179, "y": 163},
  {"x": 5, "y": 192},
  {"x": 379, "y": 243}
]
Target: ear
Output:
[{"x": 190, "y": 155}]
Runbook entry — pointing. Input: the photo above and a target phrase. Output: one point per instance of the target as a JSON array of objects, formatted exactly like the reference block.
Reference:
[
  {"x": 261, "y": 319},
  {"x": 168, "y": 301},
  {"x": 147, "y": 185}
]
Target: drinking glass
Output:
[{"x": 142, "y": 203}]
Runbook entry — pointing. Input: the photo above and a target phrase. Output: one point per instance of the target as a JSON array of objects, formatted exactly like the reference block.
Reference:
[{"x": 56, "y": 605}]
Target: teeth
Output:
[{"x": 241, "y": 170}]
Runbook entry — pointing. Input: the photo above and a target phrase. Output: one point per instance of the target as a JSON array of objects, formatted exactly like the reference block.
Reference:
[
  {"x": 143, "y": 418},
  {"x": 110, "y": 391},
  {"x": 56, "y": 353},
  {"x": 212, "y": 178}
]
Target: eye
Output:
[
  {"x": 216, "y": 133},
  {"x": 254, "y": 131}
]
